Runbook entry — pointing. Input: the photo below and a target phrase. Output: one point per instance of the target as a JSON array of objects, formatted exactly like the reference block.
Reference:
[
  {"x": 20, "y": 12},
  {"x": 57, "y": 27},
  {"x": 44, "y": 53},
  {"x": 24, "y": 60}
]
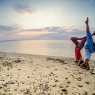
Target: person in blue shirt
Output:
[
  {"x": 89, "y": 46},
  {"x": 79, "y": 45}
]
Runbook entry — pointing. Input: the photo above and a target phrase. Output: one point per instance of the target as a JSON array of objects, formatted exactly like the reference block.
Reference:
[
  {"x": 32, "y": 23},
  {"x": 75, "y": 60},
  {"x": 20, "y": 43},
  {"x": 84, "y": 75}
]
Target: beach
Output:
[{"x": 27, "y": 74}]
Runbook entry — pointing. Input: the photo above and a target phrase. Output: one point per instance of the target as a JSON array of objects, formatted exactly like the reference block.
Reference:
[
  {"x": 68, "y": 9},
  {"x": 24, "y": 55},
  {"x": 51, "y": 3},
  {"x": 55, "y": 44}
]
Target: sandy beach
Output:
[{"x": 23, "y": 74}]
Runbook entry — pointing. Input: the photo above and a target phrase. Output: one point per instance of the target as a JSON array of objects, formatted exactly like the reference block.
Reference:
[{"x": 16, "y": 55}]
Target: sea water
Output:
[{"x": 63, "y": 48}]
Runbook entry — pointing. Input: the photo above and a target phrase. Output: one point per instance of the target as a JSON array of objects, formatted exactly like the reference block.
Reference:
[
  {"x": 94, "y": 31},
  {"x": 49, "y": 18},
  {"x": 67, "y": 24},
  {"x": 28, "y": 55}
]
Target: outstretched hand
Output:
[{"x": 87, "y": 20}]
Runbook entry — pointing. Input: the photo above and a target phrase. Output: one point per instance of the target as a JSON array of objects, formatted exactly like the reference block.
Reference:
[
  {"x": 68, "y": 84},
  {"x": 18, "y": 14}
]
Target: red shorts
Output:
[{"x": 78, "y": 53}]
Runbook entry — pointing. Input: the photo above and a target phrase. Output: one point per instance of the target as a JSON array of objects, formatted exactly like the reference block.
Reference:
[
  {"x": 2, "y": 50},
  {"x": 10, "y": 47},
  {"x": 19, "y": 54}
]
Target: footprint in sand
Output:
[
  {"x": 15, "y": 89},
  {"x": 54, "y": 85},
  {"x": 27, "y": 92},
  {"x": 65, "y": 91},
  {"x": 51, "y": 74},
  {"x": 22, "y": 82},
  {"x": 80, "y": 85},
  {"x": 60, "y": 86},
  {"x": 19, "y": 69},
  {"x": 93, "y": 93},
  {"x": 55, "y": 69},
  {"x": 56, "y": 80},
  {"x": 17, "y": 60},
  {"x": 48, "y": 59},
  {"x": 80, "y": 72},
  {"x": 87, "y": 82},
  {"x": 66, "y": 78},
  {"x": 68, "y": 82},
  {"x": 85, "y": 93},
  {"x": 7, "y": 75},
  {"x": 56, "y": 60},
  {"x": 7, "y": 64},
  {"x": 79, "y": 79},
  {"x": 67, "y": 86},
  {"x": 28, "y": 76},
  {"x": 1, "y": 87}
]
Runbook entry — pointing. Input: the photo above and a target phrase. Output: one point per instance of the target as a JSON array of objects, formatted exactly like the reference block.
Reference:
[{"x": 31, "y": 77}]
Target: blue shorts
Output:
[{"x": 87, "y": 54}]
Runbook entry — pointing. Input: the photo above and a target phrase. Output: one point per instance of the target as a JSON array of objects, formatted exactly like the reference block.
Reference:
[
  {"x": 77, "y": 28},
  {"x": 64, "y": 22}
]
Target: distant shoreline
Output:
[
  {"x": 27, "y": 54},
  {"x": 14, "y": 53}
]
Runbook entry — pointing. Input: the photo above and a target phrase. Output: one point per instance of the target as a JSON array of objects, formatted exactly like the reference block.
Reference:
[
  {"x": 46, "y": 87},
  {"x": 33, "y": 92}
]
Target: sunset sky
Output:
[{"x": 29, "y": 14}]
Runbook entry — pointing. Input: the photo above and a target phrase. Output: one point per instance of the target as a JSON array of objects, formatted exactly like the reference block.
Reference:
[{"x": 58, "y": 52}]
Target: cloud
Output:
[
  {"x": 15, "y": 32},
  {"x": 60, "y": 33},
  {"x": 21, "y": 8},
  {"x": 7, "y": 28}
]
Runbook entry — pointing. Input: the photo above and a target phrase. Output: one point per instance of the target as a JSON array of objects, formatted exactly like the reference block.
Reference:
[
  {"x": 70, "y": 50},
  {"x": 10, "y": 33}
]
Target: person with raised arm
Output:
[{"x": 89, "y": 46}]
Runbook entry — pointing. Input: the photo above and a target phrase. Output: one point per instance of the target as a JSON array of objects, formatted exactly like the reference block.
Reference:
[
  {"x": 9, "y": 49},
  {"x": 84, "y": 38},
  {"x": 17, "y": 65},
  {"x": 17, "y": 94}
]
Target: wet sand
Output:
[{"x": 23, "y": 74}]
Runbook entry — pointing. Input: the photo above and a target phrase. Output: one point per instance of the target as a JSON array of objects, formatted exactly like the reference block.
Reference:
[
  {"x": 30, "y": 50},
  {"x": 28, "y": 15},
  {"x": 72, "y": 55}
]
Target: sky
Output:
[{"x": 21, "y": 15}]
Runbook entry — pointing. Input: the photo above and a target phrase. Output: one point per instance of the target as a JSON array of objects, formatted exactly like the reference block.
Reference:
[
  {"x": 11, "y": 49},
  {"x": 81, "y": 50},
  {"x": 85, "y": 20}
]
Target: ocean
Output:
[{"x": 63, "y": 48}]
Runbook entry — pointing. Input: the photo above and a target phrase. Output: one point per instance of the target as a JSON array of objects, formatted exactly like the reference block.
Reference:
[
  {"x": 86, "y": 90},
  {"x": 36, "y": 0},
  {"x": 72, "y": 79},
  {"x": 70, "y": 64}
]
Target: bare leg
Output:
[
  {"x": 87, "y": 64},
  {"x": 87, "y": 26}
]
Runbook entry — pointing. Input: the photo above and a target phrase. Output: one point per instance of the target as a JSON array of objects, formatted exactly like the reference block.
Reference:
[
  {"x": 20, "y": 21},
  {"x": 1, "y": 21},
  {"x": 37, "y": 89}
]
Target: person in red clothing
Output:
[{"x": 79, "y": 44}]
